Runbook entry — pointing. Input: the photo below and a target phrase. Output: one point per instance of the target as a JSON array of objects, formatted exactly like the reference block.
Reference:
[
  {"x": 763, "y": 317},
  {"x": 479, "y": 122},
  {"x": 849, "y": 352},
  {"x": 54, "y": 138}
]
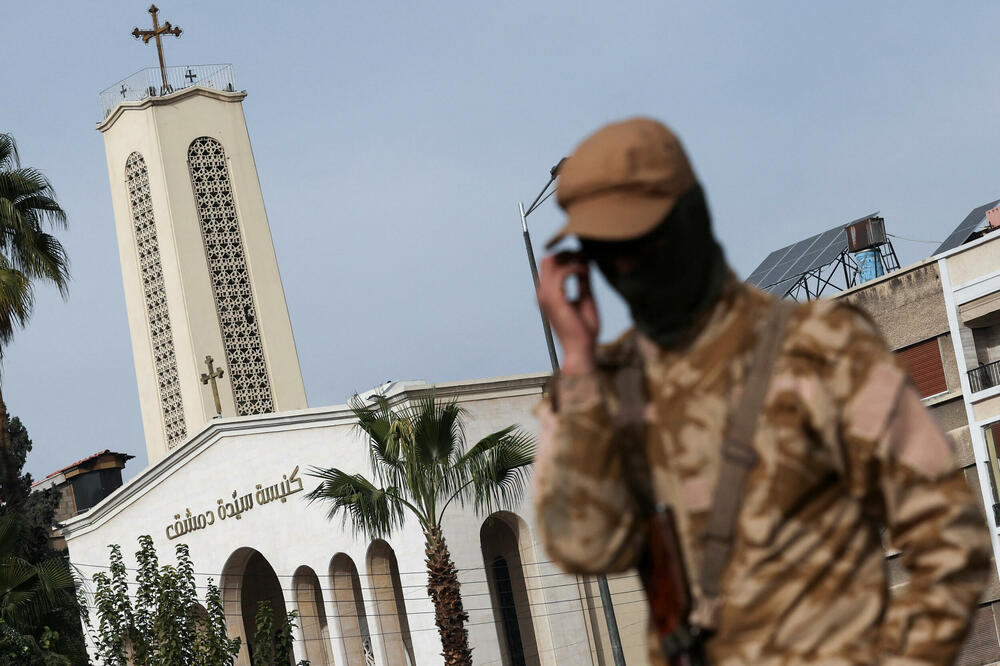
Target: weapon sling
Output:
[{"x": 662, "y": 567}]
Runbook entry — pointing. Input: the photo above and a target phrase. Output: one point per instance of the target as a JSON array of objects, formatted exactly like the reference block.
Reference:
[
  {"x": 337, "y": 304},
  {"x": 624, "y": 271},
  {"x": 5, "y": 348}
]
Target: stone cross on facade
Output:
[
  {"x": 211, "y": 376},
  {"x": 146, "y": 35}
]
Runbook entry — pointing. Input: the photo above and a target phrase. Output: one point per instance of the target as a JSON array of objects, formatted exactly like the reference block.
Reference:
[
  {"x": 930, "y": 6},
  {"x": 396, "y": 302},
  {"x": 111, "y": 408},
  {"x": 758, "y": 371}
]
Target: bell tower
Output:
[{"x": 198, "y": 265}]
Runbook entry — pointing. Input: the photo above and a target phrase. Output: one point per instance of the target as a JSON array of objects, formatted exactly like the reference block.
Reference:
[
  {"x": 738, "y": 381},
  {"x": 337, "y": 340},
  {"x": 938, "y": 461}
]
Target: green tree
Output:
[
  {"x": 160, "y": 625},
  {"x": 421, "y": 465},
  {"x": 37, "y": 509},
  {"x": 273, "y": 647},
  {"x": 28, "y": 255},
  {"x": 60, "y": 629},
  {"x": 212, "y": 644},
  {"x": 29, "y": 594}
]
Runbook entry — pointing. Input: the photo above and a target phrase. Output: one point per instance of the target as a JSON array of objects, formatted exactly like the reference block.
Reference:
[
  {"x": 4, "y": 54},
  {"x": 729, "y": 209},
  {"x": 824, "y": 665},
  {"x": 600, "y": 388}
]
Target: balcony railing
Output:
[
  {"x": 985, "y": 376},
  {"x": 149, "y": 83}
]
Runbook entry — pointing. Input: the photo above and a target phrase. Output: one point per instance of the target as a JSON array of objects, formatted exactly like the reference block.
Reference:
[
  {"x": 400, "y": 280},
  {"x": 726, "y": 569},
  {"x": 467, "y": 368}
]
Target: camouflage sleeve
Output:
[
  {"x": 901, "y": 463},
  {"x": 586, "y": 515}
]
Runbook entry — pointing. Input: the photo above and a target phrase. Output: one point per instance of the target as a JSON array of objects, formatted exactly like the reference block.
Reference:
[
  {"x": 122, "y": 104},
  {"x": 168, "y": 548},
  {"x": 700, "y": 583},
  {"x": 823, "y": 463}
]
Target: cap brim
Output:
[{"x": 614, "y": 217}]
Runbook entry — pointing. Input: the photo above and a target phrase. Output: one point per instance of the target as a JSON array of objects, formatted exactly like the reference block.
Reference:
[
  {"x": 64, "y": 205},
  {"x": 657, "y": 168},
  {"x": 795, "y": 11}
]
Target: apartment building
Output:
[{"x": 942, "y": 318}]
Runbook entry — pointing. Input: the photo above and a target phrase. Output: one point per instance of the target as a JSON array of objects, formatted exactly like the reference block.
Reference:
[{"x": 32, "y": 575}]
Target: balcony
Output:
[
  {"x": 148, "y": 83},
  {"x": 985, "y": 376}
]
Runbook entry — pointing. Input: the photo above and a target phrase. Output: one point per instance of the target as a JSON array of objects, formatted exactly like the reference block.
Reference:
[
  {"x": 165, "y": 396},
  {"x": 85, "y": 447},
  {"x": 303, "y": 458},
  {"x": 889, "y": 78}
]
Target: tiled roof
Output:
[{"x": 85, "y": 460}]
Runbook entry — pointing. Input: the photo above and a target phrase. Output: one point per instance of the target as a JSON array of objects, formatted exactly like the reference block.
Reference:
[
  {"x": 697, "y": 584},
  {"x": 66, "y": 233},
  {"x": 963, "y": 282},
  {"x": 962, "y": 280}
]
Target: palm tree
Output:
[
  {"x": 28, "y": 254},
  {"x": 421, "y": 465},
  {"x": 29, "y": 592}
]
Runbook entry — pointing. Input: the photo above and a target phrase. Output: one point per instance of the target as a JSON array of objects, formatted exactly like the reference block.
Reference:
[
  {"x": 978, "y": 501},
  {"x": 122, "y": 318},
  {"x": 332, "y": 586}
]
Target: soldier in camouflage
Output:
[{"x": 847, "y": 456}]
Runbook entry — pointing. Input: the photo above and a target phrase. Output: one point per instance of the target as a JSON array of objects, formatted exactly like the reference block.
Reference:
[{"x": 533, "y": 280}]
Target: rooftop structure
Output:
[
  {"x": 975, "y": 224},
  {"x": 148, "y": 83},
  {"x": 841, "y": 257},
  {"x": 82, "y": 485}
]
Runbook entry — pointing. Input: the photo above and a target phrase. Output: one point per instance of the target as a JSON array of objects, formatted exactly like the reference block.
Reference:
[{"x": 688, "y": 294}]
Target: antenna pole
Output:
[
  {"x": 553, "y": 358},
  {"x": 602, "y": 581}
]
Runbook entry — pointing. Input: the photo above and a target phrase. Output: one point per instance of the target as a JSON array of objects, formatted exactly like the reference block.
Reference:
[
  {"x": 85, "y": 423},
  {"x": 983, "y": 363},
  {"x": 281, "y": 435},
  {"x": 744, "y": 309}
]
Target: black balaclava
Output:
[{"x": 669, "y": 276}]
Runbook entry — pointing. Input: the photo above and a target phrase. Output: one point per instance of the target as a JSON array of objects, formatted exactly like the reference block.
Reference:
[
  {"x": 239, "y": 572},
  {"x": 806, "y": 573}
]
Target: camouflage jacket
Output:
[{"x": 847, "y": 454}]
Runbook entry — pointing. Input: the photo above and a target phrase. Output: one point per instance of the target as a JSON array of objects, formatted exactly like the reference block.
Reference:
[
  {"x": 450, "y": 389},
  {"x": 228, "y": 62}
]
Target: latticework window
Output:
[
  {"x": 227, "y": 265},
  {"x": 151, "y": 273}
]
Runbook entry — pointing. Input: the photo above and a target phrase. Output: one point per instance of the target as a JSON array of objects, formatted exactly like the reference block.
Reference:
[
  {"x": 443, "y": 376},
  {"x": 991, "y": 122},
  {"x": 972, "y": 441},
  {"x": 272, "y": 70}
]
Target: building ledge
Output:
[
  {"x": 166, "y": 100},
  {"x": 979, "y": 396},
  {"x": 938, "y": 398}
]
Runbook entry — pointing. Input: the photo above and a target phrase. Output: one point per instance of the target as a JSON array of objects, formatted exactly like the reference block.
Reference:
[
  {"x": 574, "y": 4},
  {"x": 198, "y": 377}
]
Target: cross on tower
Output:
[
  {"x": 190, "y": 76},
  {"x": 146, "y": 35},
  {"x": 212, "y": 375}
]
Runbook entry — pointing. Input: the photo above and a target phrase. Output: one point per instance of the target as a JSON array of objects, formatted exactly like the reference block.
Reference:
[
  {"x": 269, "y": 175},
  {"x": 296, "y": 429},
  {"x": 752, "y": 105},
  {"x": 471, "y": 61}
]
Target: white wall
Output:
[{"x": 237, "y": 454}]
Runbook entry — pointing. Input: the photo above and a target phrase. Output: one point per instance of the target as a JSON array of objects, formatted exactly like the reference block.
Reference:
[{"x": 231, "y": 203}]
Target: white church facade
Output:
[{"x": 230, "y": 455}]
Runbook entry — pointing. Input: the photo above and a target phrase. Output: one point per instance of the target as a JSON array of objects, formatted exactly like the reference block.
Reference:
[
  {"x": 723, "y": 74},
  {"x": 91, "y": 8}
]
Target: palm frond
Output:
[
  {"x": 9, "y": 157},
  {"x": 17, "y": 299},
  {"x": 497, "y": 467},
  {"x": 385, "y": 436},
  {"x": 41, "y": 255},
  {"x": 30, "y": 591},
  {"x": 45, "y": 208},
  {"x": 27, "y": 207},
  {"x": 437, "y": 429},
  {"x": 371, "y": 511}
]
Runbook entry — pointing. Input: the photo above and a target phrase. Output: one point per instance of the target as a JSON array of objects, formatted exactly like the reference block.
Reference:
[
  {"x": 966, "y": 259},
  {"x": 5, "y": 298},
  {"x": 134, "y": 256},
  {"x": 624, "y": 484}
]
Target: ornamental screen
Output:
[
  {"x": 227, "y": 265},
  {"x": 151, "y": 273}
]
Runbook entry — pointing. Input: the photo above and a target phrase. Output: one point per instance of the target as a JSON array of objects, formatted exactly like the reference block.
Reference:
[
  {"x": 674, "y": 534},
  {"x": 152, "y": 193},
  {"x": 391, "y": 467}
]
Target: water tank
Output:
[
  {"x": 869, "y": 265},
  {"x": 865, "y": 234}
]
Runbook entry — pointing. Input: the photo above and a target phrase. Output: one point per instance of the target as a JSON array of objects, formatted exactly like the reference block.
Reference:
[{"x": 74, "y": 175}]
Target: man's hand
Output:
[{"x": 576, "y": 323}]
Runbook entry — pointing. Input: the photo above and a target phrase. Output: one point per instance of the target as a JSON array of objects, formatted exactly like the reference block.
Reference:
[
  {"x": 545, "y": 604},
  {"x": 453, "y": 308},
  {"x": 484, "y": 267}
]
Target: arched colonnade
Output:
[
  {"x": 340, "y": 618},
  {"x": 334, "y": 626}
]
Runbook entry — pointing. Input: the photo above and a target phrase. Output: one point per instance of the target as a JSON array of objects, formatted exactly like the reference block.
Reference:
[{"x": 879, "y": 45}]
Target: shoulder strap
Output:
[
  {"x": 629, "y": 382},
  {"x": 738, "y": 455}
]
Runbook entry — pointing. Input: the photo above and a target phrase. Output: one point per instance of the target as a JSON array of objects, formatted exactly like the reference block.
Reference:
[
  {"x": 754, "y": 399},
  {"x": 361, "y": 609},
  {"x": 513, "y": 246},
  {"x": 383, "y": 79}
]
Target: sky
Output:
[{"x": 393, "y": 141}]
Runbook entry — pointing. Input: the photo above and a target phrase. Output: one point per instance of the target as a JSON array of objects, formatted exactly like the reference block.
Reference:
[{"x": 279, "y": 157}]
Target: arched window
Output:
[
  {"x": 504, "y": 592},
  {"x": 155, "y": 296},
  {"x": 227, "y": 266},
  {"x": 387, "y": 591},
  {"x": 501, "y": 541},
  {"x": 350, "y": 607},
  {"x": 312, "y": 617}
]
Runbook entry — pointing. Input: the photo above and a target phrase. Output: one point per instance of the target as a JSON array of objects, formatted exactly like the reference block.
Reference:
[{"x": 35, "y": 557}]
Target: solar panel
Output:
[
  {"x": 781, "y": 288},
  {"x": 790, "y": 262},
  {"x": 965, "y": 229}
]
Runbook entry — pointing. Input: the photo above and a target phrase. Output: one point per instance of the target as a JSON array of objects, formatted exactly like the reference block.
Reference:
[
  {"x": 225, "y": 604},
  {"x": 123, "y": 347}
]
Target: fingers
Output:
[{"x": 555, "y": 270}]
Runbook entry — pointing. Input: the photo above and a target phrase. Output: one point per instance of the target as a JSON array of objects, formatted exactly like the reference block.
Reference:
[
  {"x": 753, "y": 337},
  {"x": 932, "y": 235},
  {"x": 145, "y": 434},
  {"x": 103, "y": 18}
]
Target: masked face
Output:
[{"x": 671, "y": 275}]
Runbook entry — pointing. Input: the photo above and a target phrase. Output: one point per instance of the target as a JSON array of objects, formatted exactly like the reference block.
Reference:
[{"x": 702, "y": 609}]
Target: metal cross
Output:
[
  {"x": 123, "y": 90},
  {"x": 146, "y": 35},
  {"x": 213, "y": 374},
  {"x": 190, "y": 76}
]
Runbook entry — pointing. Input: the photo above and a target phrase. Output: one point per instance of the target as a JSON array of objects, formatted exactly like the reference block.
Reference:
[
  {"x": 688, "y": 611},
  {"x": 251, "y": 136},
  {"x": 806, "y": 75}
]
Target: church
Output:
[{"x": 225, "y": 419}]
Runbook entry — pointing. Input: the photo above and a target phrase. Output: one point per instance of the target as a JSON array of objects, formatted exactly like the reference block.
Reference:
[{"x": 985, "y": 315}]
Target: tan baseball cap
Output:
[{"x": 622, "y": 181}]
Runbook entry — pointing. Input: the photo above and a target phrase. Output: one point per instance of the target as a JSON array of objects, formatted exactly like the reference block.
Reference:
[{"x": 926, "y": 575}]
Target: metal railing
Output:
[
  {"x": 985, "y": 376},
  {"x": 149, "y": 83}
]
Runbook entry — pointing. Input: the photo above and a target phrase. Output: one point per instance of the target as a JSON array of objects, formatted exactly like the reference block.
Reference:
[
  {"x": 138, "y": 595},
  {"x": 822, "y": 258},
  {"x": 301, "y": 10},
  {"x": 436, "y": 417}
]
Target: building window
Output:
[
  {"x": 992, "y": 435},
  {"x": 508, "y": 611},
  {"x": 155, "y": 296},
  {"x": 227, "y": 265},
  {"x": 923, "y": 363}
]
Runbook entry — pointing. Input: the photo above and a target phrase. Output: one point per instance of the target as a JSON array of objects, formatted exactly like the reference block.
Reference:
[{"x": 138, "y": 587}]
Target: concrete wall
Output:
[{"x": 895, "y": 301}]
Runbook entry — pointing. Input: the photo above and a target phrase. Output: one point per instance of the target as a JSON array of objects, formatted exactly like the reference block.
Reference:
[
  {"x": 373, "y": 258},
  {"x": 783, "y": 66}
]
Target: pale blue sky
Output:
[{"x": 394, "y": 139}]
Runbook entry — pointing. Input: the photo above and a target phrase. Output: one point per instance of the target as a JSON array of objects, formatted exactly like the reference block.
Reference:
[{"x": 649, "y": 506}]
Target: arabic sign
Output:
[{"x": 240, "y": 504}]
